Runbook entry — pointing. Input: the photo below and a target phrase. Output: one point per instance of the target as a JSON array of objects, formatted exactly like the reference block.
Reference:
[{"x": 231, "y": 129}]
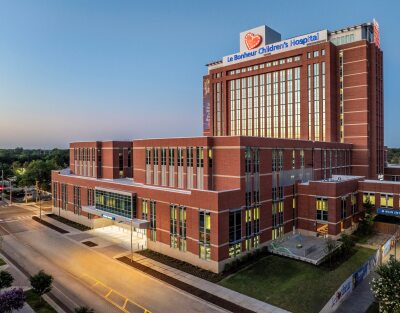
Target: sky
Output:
[{"x": 77, "y": 70}]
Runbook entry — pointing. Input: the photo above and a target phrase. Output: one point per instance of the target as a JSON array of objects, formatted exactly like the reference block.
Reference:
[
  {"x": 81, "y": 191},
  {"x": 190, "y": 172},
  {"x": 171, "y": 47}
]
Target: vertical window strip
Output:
[
  {"x": 276, "y": 105},
  {"x": 316, "y": 102},
  {"x": 250, "y": 106},
  {"x": 290, "y": 103},
  {"x": 282, "y": 91},
  {"x": 232, "y": 100},
  {"x": 323, "y": 104},
  {"x": 297, "y": 101},
  {"x": 262, "y": 105},
  {"x": 244, "y": 108},
  {"x": 309, "y": 102}
]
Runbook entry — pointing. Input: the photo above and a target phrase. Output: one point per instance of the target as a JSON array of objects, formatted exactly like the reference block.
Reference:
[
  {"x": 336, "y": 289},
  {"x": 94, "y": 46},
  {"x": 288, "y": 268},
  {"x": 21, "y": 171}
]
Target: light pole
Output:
[
  {"x": 9, "y": 180},
  {"x": 2, "y": 185},
  {"x": 131, "y": 228},
  {"x": 40, "y": 203}
]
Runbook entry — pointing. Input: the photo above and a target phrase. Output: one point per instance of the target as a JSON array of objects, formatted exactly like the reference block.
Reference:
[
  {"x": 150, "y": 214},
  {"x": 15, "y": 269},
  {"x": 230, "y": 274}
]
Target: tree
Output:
[
  {"x": 41, "y": 283},
  {"x": 83, "y": 309},
  {"x": 38, "y": 171},
  {"x": 11, "y": 300},
  {"x": 6, "y": 279},
  {"x": 386, "y": 288},
  {"x": 347, "y": 244},
  {"x": 330, "y": 246}
]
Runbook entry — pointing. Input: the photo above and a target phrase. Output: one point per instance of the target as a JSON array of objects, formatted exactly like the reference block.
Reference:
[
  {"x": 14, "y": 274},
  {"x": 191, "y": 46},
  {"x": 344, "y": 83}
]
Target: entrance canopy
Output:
[{"x": 137, "y": 223}]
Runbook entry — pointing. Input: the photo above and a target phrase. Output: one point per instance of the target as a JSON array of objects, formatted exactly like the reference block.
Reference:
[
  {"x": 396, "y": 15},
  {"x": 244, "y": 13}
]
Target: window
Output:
[
  {"x": 77, "y": 200},
  {"x": 322, "y": 209},
  {"x": 64, "y": 197},
  {"x": 129, "y": 157},
  {"x": 293, "y": 159},
  {"x": 308, "y": 55},
  {"x": 387, "y": 201},
  {"x": 90, "y": 197},
  {"x": 121, "y": 162},
  {"x": 171, "y": 157},
  {"x": 163, "y": 156},
  {"x": 182, "y": 229},
  {"x": 302, "y": 158},
  {"x": 189, "y": 157},
  {"x": 145, "y": 209},
  {"x": 55, "y": 193},
  {"x": 354, "y": 208},
  {"x": 153, "y": 222},
  {"x": 116, "y": 203},
  {"x": 148, "y": 156},
  {"x": 316, "y": 54},
  {"x": 343, "y": 206},
  {"x": 204, "y": 235},
  {"x": 235, "y": 232},
  {"x": 369, "y": 197},
  {"x": 277, "y": 218},
  {"x": 200, "y": 157},
  {"x": 173, "y": 226},
  {"x": 323, "y": 52}
]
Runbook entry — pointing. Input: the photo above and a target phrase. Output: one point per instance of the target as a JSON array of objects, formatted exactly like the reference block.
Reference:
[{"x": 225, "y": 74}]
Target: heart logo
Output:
[{"x": 252, "y": 41}]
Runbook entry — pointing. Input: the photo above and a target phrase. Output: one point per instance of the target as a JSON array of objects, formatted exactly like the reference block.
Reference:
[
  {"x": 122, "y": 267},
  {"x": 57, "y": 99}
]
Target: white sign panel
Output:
[{"x": 277, "y": 47}]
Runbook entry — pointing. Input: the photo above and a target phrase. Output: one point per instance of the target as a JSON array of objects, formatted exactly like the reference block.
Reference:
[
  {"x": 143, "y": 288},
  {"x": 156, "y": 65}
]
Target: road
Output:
[{"x": 84, "y": 276}]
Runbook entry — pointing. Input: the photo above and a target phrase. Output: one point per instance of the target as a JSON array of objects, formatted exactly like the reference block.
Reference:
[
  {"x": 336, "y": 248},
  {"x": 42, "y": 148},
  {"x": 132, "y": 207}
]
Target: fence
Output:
[
  {"x": 359, "y": 275},
  {"x": 385, "y": 228},
  {"x": 351, "y": 282}
]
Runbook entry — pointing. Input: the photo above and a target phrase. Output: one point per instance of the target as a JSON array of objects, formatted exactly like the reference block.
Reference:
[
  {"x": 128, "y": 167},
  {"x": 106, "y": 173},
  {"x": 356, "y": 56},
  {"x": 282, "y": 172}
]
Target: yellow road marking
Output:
[{"x": 126, "y": 300}]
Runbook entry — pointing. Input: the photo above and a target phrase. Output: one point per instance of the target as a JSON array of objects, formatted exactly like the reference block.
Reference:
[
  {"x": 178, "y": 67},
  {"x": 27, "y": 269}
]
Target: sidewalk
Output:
[
  {"x": 20, "y": 281},
  {"x": 234, "y": 297},
  {"x": 360, "y": 299},
  {"x": 214, "y": 289}
]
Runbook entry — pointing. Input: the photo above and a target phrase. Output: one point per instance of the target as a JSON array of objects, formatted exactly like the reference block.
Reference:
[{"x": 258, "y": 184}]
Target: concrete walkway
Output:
[
  {"x": 360, "y": 299},
  {"x": 217, "y": 290}
]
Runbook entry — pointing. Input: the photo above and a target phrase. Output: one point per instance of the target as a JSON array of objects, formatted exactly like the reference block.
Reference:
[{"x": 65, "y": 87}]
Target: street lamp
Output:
[
  {"x": 132, "y": 228},
  {"x": 40, "y": 203}
]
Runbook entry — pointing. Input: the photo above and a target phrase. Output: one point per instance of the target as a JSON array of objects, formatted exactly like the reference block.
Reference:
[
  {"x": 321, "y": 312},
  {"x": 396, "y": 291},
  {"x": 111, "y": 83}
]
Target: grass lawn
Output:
[
  {"x": 2, "y": 262},
  {"x": 33, "y": 300},
  {"x": 293, "y": 285}
]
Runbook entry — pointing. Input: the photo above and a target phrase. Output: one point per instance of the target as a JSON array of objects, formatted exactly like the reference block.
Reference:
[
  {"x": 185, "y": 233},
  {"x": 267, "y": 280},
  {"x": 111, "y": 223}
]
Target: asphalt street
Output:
[{"x": 85, "y": 276}]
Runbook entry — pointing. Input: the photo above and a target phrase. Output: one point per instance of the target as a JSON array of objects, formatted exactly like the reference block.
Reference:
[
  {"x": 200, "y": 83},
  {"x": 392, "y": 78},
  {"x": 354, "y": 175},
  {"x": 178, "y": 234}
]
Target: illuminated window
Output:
[
  {"x": 322, "y": 209},
  {"x": 204, "y": 235}
]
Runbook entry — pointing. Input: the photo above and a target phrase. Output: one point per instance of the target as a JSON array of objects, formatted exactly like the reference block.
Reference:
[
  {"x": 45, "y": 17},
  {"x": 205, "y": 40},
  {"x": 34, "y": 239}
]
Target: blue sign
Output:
[
  {"x": 108, "y": 217},
  {"x": 385, "y": 211}
]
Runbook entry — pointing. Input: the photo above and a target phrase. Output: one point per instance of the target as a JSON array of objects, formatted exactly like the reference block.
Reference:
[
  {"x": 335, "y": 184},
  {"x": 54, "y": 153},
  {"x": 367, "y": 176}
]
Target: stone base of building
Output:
[{"x": 188, "y": 257}]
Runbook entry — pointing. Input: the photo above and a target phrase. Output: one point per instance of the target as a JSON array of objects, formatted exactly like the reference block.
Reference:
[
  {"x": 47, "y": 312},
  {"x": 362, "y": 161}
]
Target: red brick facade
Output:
[{"x": 253, "y": 176}]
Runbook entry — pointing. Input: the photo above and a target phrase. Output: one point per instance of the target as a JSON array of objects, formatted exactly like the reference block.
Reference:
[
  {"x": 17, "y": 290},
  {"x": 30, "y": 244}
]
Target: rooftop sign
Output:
[{"x": 262, "y": 47}]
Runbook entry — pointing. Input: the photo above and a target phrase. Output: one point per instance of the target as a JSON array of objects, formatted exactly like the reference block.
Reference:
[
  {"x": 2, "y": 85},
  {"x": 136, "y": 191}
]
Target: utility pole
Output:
[{"x": 2, "y": 185}]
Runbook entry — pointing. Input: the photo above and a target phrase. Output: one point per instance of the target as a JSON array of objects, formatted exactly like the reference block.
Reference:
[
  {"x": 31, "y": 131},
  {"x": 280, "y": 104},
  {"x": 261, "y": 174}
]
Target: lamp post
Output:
[
  {"x": 2, "y": 185},
  {"x": 40, "y": 203},
  {"x": 131, "y": 228}
]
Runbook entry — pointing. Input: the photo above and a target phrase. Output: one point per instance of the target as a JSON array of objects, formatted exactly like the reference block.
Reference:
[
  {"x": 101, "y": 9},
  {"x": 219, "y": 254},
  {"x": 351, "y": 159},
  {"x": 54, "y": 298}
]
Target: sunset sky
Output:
[{"x": 99, "y": 70}]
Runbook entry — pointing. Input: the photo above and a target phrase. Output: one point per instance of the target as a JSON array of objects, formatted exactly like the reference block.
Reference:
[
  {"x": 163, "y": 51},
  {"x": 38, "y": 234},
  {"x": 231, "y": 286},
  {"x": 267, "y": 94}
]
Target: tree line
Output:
[
  {"x": 393, "y": 155},
  {"x": 29, "y": 166}
]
